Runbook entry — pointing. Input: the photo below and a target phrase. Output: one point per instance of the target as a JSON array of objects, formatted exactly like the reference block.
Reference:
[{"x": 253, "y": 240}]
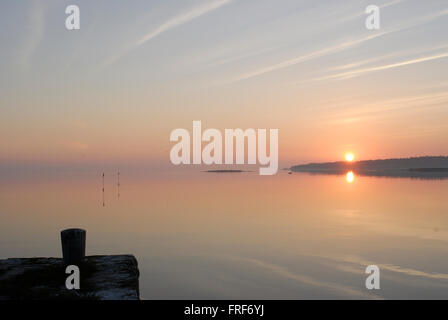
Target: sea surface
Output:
[{"x": 199, "y": 235}]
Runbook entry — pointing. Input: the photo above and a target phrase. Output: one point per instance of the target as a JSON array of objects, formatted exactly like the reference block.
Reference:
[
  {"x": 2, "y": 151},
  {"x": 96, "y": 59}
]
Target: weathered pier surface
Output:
[{"x": 113, "y": 277}]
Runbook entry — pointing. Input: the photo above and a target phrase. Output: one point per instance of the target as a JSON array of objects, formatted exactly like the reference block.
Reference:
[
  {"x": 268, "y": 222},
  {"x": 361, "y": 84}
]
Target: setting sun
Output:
[{"x": 349, "y": 157}]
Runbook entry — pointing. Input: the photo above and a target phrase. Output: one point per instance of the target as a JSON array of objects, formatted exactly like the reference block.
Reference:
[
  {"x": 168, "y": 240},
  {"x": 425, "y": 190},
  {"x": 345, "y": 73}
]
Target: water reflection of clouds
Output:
[
  {"x": 351, "y": 263},
  {"x": 309, "y": 280}
]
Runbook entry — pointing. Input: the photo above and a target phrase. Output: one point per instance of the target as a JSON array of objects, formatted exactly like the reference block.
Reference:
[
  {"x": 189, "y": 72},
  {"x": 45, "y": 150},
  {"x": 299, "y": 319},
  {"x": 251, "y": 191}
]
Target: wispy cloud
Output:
[
  {"x": 400, "y": 53},
  {"x": 358, "y": 72},
  {"x": 362, "y": 13},
  {"x": 307, "y": 57},
  {"x": 387, "y": 108},
  {"x": 34, "y": 29},
  {"x": 182, "y": 19},
  {"x": 239, "y": 57},
  {"x": 340, "y": 47},
  {"x": 170, "y": 24}
]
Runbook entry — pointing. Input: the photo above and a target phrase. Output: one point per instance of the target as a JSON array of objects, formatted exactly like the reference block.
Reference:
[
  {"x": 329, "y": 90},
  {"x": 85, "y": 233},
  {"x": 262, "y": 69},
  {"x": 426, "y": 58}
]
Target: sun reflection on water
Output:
[{"x": 350, "y": 176}]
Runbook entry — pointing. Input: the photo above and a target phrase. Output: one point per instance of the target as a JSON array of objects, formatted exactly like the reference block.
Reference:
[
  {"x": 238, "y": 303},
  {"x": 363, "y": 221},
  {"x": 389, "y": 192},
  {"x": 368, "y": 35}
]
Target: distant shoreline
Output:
[{"x": 417, "y": 167}]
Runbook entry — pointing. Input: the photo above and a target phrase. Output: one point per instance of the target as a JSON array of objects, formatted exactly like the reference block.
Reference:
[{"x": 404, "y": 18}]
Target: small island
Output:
[{"x": 224, "y": 171}]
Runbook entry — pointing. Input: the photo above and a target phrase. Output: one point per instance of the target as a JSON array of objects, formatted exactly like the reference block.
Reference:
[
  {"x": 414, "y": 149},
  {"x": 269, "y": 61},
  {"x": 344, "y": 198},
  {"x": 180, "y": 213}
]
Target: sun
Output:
[{"x": 349, "y": 157}]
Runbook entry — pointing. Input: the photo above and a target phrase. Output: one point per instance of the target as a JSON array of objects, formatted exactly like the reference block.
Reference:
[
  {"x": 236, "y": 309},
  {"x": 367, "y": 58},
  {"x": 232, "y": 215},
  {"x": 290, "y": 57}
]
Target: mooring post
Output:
[{"x": 73, "y": 245}]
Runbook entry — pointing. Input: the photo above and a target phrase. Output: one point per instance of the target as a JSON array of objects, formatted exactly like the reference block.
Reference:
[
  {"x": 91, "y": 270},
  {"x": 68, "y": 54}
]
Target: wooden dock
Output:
[{"x": 113, "y": 277}]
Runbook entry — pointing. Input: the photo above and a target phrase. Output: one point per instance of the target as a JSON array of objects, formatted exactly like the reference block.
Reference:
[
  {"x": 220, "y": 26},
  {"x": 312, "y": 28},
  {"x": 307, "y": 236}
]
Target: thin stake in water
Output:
[
  {"x": 118, "y": 184},
  {"x": 104, "y": 204}
]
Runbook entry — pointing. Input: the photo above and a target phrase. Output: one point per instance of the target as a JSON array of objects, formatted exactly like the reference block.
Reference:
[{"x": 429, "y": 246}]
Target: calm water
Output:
[{"x": 240, "y": 235}]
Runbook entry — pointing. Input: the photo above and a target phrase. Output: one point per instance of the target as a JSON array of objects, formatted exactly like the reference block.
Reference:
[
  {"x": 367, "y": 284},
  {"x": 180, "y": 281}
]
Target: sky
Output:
[{"x": 136, "y": 70}]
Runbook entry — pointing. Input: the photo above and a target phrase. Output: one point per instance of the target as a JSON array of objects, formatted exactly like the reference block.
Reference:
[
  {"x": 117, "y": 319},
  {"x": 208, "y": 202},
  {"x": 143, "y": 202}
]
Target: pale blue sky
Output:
[{"x": 138, "y": 69}]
